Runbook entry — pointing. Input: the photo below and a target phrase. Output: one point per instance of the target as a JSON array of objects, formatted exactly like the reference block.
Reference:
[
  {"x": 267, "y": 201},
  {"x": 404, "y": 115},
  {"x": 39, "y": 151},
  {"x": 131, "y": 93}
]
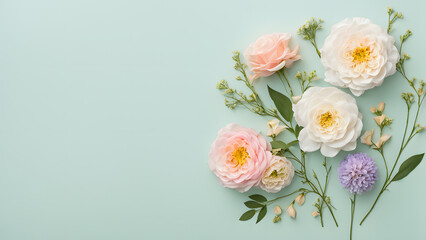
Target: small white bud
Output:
[
  {"x": 315, "y": 213},
  {"x": 300, "y": 199},
  {"x": 381, "y": 106},
  {"x": 366, "y": 138},
  {"x": 384, "y": 138},
  {"x": 276, "y": 219},
  {"x": 296, "y": 99},
  {"x": 277, "y": 210},
  {"x": 379, "y": 119},
  {"x": 274, "y": 128},
  {"x": 373, "y": 109},
  {"x": 291, "y": 211},
  {"x": 275, "y": 151}
]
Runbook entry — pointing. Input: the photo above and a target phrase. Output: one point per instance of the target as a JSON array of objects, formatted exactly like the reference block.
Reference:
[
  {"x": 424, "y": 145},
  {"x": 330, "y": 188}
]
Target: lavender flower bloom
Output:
[{"x": 357, "y": 173}]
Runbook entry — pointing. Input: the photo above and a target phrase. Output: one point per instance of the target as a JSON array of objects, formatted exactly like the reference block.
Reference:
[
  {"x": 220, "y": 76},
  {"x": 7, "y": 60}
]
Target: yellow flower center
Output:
[
  {"x": 361, "y": 54},
  {"x": 326, "y": 120},
  {"x": 240, "y": 156}
]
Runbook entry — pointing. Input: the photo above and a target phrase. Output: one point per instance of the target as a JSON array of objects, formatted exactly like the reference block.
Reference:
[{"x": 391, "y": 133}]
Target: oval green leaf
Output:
[
  {"x": 298, "y": 129},
  {"x": 407, "y": 166},
  {"x": 282, "y": 145},
  {"x": 247, "y": 215},
  {"x": 253, "y": 204},
  {"x": 283, "y": 104},
  {"x": 262, "y": 214},
  {"x": 258, "y": 197}
]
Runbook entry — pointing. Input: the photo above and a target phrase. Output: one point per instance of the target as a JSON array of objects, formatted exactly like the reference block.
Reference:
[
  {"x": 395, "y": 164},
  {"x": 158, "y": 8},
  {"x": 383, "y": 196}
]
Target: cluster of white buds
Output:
[
  {"x": 291, "y": 211},
  {"x": 315, "y": 213},
  {"x": 381, "y": 120},
  {"x": 300, "y": 199},
  {"x": 277, "y": 211},
  {"x": 408, "y": 98}
]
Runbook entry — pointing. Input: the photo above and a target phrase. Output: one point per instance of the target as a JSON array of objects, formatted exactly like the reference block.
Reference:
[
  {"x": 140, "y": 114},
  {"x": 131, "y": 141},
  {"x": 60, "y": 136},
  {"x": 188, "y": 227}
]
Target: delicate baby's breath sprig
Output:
[
  {"x": 393, "y": 16},
  {"x": 306, "y": 79},
  {"x": 309, "y": 30},
  {"x": 234, "y": 98}
]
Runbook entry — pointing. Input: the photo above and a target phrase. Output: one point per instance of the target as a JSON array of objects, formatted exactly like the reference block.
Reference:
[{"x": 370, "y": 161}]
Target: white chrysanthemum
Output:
[
  {"x": 358, "y": 54},
  {"x": 331, "y": 121},
  {"x": 278, "y": 175}
]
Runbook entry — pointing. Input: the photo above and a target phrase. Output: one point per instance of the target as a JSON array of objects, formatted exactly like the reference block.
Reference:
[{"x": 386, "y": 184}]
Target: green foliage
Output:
[
  {"x": 261, "y": 214},
  {"x": 258, "y": 198},
  {"x": 284, "y": 146},
  {"x": 282, "y": 103},
  {"x": 408, "y": 166},
  {"x": 253, "y": 204},
  {"x": 247, "y": 215}
]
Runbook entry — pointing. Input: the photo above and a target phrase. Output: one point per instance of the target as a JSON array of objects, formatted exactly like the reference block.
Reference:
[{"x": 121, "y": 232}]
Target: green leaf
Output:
[
  {"x": 407, "y": 166},
  {"x": 253, "y": 204},
  {"x": 298, "y": 129},
  {"x": 282, "y": 145},
  {"x": 247, "y": 215},
  {"x": 278, "y": 144},
  {"x": 282, "y": 103},
  {"x": 258, "y": 197},
  {"x": 292, "y": 143},
  {"x": 262, "y": 214}
]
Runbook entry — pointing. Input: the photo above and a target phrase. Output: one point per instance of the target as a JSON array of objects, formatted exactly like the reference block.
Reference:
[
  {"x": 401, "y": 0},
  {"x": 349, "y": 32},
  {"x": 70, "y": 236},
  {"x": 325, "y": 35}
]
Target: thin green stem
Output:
[
  {"x": 282, "y": 71},
  {"x": 314, "y": 43},
  {"x": 352, "y": 214},
  {"x": 275, "y": 199}
]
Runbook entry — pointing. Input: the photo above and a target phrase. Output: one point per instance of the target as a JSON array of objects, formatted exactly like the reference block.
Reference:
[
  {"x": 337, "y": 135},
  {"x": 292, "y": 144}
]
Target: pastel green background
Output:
[{"x": 108, "y": 109}]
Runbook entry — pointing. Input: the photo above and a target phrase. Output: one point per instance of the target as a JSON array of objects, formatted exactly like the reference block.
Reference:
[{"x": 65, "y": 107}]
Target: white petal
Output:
[{"x": 327, "y": 151}]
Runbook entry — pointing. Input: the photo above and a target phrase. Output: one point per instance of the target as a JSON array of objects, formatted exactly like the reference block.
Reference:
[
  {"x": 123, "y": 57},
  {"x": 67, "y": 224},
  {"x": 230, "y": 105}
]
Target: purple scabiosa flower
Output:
[{"x": 357, "y": 173}]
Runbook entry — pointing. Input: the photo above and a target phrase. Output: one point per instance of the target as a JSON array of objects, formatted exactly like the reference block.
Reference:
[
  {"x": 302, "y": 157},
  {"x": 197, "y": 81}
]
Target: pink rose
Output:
[
  {"x": 239, "y": 156},
  {"x": 269, "y": 54}
]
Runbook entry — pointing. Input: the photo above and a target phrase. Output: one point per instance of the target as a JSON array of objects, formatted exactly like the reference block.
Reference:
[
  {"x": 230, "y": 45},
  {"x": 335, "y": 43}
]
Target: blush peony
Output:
[
  {"x": 358, "y": 54},
  {"x": 331, "y": 121},
  {"x": 269, "y": 54},
  {"x": 278, "y": 175},
  {"x": 239, "y": 156}
]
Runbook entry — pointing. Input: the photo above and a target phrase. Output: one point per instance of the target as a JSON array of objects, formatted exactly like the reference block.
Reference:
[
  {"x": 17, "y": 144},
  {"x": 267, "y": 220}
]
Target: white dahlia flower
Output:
[
  {"x": 358, "y": 55},
  {"x": 331, "y": 121}
]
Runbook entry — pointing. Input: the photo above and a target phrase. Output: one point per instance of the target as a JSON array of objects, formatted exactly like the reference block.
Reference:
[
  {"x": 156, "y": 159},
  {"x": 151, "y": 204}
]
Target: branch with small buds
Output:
[
  {"x": 393, "y": 16},
  {"x": 309, "y": 30},
  {"x": 409, "y": 99}
]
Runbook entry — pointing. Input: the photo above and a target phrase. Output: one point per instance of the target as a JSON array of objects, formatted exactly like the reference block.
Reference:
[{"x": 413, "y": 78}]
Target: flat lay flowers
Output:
[{"x": 357, "y": 55}]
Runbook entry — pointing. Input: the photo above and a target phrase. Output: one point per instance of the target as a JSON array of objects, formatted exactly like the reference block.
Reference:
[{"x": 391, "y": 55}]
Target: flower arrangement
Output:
[{"x": 357, "y": 54}]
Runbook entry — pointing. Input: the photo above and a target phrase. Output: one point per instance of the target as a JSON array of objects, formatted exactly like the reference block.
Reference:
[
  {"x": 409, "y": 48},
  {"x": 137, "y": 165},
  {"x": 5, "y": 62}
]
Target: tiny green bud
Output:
[{"x": 276, "y": 219}]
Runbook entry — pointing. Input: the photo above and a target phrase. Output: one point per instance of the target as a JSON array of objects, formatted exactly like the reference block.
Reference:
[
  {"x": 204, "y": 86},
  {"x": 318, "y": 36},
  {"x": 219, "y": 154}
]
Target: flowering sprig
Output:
[
  {"x": 283, "y": 105},
  {"x": 306, "y": 79},
  {"x": 409, "y": 99},
  {"x": 393, "y": 16},
  {"x": 308, "y": 31}
]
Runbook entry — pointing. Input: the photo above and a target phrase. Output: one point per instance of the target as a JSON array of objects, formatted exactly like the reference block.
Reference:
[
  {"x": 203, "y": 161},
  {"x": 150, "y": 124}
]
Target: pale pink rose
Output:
[
  {"x": 269, "y": 54},
  {"x": 239, "y": 156}
]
